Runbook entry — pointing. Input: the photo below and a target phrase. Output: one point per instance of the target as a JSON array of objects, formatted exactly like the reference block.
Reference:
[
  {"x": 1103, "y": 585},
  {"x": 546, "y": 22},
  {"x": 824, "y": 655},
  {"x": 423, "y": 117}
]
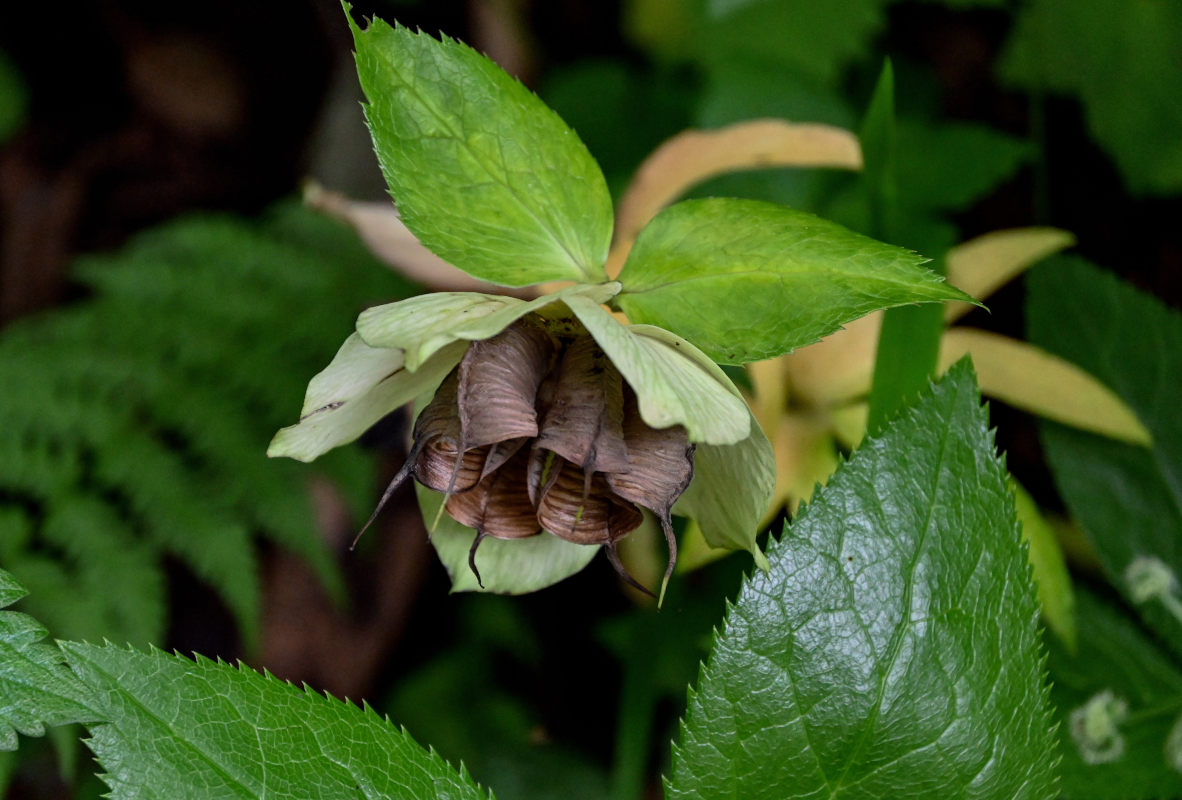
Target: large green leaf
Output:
[
  {"x": 747, "y": 280},
  {"x": 891, "y": 650},
  {"x": 1119, "y": 676},
  {"x": 35, "y": 689},
  {"x": 195, "y": 729},
  {"x": 484, "y": 174},
  {"x": 1127, "y": 499},
  {"x": 1122, "y": 61}
]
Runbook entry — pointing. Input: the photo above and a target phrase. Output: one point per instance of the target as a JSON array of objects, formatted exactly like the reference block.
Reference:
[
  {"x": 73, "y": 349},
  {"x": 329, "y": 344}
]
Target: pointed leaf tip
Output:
[
  {"x": 868, "y": 638},
  {"x": 774, "y": 278},
  {"x": 484, "y": 173}
]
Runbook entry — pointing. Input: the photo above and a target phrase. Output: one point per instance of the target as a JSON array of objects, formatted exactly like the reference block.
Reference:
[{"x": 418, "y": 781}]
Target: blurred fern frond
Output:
[{"x": 135, "y": 423}]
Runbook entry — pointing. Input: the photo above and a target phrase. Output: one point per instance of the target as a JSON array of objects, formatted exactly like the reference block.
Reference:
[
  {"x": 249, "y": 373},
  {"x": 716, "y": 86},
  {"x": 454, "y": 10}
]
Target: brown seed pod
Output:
[
  {"x": 498, "y": 506},
  {"x": 582, "y": 473},
  {"x": 585, "y": 418}
]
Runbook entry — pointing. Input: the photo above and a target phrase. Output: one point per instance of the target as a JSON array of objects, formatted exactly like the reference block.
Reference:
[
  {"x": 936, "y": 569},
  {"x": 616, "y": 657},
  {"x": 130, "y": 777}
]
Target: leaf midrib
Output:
[
  {"x": 176, "y": 737},
  {"x": 905, "y": 625},
  {"x": 808, "y": 271}
]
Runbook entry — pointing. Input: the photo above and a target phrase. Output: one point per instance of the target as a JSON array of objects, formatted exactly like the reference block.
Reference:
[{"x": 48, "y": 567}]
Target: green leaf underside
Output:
[
  {"x": 515, "y": 566},
  {"x": 795, "y": 40},
  {"x": 36, "y": 691},
  {"x": 1116, "y": 656},
  {"x": 484, "y": 174},
  {"x": 730, "y": 492},
  {"x": 892, "y": 649},
  {"x": 747, "y": 280},
  {"x": 1124, "y": 69},
  {"x": 906, "y": 358},
  {"x": 179, "y": 728},
  {"x": 1127, "y": 500},
  {"x": 421, "y": 325},
  {"x": 675, "y": 383},
  {"x": 369, "y": 385}
]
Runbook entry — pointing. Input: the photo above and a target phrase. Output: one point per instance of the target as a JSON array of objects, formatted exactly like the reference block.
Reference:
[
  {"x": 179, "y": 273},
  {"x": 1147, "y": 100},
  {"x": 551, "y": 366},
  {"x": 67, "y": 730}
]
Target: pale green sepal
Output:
[
  {"x": 773, "y": 278},
  {"x": 421, "y": 325},
  {"x": 360, "y": 386},
  {"x": 483, "y": 172},
  {"x": 675, "y": 382},
  {"x": 730, "y": 492},
  {"x": 516, "y": 566}
]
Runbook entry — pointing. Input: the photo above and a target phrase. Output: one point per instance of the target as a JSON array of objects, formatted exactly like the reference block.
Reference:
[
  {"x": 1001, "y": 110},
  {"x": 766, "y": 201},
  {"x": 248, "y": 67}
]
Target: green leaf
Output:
[
  {"x": 892, "y": 649},
  {"x": 178, "y": 728},
  {"x": 129, "y": 401},
  {"x": 797, "y": 37},
  {"x": 507, "y": 566},
  {"x": 35, "y": 689},
  {"x": 484, "y": 174},
  {"x": 877, "y": 136},
  {"x": 14, "y": 99},
  {"x": 950, "y": 165},
  {"x": 421, "y": 325},
  {"x": 747, "y": 280},
  {"x": 1116, "y": 662},
  {"x": 1127, "y": 500},
  {"x": 1122, "y": 63},
  {"x": 730, "y": 492},
  {"x": 675, "y": 383}
]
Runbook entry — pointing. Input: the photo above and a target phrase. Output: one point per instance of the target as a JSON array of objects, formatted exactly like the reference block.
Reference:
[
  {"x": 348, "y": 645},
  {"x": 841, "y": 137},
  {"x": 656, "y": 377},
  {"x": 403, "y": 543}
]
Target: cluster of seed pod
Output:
[{"x": 537, "y": 432}]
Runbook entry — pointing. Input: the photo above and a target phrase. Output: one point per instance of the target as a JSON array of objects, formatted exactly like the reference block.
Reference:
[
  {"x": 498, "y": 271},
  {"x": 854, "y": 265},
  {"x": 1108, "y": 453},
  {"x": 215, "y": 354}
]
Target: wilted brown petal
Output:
[
  {"x": 499, "y": 505},
  {"x": 660, "y": 462},
  {"x": 435, "y": 456},
  {"x": 498, "y": 384},
  {"x": 585, "y": 417},
  {"x": 661, "y": 465},
  {"x": 582, "y": 511}
]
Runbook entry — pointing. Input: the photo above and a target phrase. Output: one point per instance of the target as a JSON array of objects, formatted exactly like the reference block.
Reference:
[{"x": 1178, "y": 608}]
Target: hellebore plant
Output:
[{"x": 545, "y": 426}]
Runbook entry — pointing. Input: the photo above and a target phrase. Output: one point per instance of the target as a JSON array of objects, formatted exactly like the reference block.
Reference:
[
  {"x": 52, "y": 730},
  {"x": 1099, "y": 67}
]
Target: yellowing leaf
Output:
[
  {"x": 980, "y": 266},
  {"x": 1034, "y": 380},
  {"x": 1056, "y": 598},
  {"x": 694, "y": 156}
]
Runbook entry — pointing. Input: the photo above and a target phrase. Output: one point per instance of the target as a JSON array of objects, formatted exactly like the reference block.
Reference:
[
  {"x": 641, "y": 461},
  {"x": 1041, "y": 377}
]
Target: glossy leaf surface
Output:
[{"x": 891, "y": 650}]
